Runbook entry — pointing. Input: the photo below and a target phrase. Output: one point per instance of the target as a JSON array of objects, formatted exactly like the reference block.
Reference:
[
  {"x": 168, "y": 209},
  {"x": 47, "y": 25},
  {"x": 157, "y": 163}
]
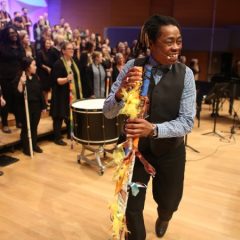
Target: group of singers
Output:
[{"x": 62, "y": 56}]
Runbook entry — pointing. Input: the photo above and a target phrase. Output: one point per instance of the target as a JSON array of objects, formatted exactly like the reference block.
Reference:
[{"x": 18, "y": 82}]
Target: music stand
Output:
[
  {"x": 235, "y": 124},
  {"x": 234, "y": 81},
  {"x": 198, "y": 114},
  {"x": 218, "y": 91}
]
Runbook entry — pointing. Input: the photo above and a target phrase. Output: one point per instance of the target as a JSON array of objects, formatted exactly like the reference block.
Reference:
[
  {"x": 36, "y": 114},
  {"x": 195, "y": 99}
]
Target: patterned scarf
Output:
[{"x": 68, "y": 69}]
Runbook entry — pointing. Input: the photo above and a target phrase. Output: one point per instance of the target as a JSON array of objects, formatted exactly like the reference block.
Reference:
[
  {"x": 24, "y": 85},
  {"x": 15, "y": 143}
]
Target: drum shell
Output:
[{"x": 92, "y": 127}]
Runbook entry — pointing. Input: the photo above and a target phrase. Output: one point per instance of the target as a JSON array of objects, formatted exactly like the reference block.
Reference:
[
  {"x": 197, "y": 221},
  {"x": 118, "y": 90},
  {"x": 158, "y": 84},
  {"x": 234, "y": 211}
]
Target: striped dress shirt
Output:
[{"x": 178, "y": 127}]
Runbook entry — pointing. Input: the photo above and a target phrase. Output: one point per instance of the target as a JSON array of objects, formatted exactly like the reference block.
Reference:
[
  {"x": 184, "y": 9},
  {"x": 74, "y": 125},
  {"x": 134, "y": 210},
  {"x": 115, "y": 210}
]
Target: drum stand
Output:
[{"x": 97, "y": 151}]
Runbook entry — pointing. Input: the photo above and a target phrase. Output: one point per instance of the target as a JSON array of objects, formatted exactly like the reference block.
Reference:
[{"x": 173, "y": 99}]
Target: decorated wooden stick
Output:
[
  {"x": 70, "y": 109},
  {"x": 124, "y": 156}
]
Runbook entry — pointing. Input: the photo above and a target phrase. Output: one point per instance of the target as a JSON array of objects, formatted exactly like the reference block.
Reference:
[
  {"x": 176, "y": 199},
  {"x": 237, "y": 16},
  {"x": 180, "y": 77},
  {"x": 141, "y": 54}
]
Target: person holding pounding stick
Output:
[
  {"x": 170, "y": 117},
  {"x": 35, "y": 101}
]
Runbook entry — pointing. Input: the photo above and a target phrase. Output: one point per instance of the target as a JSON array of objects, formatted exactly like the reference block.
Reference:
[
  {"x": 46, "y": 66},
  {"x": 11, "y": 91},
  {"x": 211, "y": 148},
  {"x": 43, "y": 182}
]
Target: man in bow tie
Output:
[{"x": 170, "y": 117}]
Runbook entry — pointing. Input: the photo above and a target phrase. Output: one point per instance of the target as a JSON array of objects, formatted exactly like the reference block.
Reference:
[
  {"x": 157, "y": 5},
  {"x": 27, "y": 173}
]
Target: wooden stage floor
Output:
[
  {"x": 52, "y": 197},
  {"x": 44, "y": 128}
]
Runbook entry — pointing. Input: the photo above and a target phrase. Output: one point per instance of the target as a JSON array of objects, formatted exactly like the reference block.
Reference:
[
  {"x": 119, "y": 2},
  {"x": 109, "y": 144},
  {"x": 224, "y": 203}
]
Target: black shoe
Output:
[
  {"x": 6, "y": 129},
  {"x": 161, "y": 227},
  {"x": 37, "y": 149},
  {"x": 27, "y": 152},
  {"x": 1, "y": 173},
  {"x": 60, "y": 142}
]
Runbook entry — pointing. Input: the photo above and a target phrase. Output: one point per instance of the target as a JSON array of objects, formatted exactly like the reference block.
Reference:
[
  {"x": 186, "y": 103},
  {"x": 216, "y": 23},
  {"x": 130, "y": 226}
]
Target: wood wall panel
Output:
[
  {"x": 129, "y": 12},
  {"x": 96, "y": 15},
  {"x": 92, "y": 14},
  {"x": 227, "y": 13},
  {"x": 164, "y": 7},
  {"x": 193, "y": 13}
]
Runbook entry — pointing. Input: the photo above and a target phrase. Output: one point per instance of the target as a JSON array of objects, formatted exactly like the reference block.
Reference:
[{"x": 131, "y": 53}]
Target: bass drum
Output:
[{"x": 90, "y": 125}]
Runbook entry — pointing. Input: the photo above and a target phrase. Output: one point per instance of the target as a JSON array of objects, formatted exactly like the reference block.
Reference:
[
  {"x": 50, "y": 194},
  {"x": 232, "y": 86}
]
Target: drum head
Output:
[{"x": 89, "y": 105}]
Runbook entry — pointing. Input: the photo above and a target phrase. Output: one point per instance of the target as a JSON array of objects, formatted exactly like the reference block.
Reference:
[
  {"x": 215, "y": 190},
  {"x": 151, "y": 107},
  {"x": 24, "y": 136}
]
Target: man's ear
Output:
[{"x": 150, "y": 44}]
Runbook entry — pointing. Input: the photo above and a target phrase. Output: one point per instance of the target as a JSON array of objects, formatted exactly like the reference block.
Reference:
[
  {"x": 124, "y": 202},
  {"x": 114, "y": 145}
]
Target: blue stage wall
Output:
[{"x": 194, "y": 39}]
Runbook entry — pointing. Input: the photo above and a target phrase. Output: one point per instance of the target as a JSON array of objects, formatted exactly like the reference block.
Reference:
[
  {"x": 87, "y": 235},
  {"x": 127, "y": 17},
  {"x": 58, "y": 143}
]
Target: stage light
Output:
[{"x": 36, "y": 3}]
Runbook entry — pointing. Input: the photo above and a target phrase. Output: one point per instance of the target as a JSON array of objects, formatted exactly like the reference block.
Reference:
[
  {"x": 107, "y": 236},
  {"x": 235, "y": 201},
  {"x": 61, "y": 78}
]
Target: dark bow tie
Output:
[{"x": 162, "y": 68}]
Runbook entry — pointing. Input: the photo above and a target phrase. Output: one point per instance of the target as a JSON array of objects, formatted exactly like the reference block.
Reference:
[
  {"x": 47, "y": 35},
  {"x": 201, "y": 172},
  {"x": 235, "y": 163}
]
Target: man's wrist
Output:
[
  {"x": 118, "y": 95},
  {"x": 154, "y": 132}
]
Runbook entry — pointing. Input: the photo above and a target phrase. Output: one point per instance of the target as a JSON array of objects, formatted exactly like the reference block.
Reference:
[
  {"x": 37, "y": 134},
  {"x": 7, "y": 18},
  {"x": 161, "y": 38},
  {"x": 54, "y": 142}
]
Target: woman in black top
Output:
[
  {"x": 44, "y": 67},
  {"x": 83, "y": 63},
  {"x": 36, "y": 103},
  {"x": 194, "y": 66},
  {"x": 11, "y": 54},
  {"x": 119, "y": 63},
  {"x": 27, "y": 46},
  {"x": 96, "y": 77},
  {"x": 64, "y": 72}
]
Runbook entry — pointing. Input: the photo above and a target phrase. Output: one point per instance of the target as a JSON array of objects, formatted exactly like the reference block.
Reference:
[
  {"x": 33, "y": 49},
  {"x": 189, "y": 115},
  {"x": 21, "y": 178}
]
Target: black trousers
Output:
[
  {"x": 12, "y": 101},
  {"x": 57, "y": 126},
  {"x": 167, "y": 189},
  {"x": 8, "y": 95},
  {"x": 4, "y": 115},
  {"x": 35, "y": 115}
]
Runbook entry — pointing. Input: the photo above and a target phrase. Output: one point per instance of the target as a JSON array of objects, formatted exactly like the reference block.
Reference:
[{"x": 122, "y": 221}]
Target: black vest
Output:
[{"x": 164, "y": 106}]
